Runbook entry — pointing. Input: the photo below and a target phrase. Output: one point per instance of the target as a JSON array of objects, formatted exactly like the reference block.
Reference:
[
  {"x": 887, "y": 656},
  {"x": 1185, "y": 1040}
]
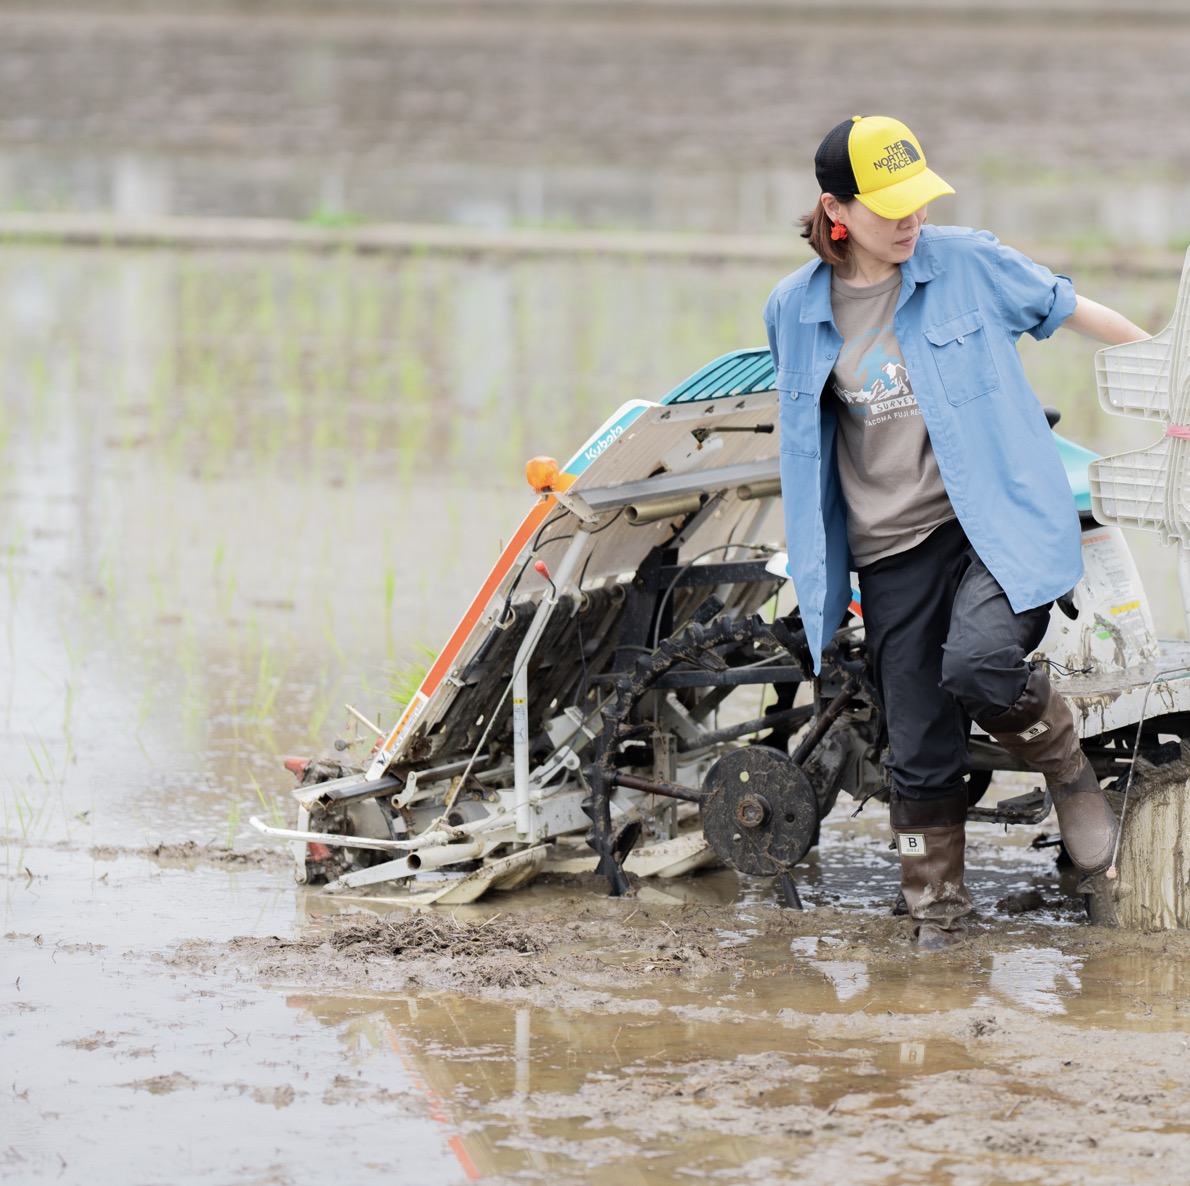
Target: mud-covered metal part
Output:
[
  {"x": 696, "y": 646},
  {"x": 777, "y": 720},
  {"x": 826, "y": 718},
  {"x": 1029, "y": 808},
  {"x": 653, "y": 787},
  {"x": 759, "y": 811},
  {"x": 349, "y": 817},
  {"x": 583, "y": 627}
]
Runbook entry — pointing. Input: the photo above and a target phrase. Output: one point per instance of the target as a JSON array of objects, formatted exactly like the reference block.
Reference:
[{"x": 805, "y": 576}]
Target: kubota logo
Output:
[{"x": 603, "y": 442}]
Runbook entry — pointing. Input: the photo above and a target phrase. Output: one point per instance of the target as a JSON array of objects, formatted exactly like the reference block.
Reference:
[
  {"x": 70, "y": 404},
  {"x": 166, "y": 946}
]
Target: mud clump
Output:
[
  {"x": 494, "y": 953},
  {"x": 550, "y": 955},
  {"x": 1024, "y": 902},
  {"x": 388, "y": 953},
  {"x": 164, "y": 1084},
  {"x": 424, "y": 935}
]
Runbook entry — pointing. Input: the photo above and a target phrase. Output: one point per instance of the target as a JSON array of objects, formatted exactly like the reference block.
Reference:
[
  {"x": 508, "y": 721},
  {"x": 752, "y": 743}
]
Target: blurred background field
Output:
[{"x": 1054, "y": 121}]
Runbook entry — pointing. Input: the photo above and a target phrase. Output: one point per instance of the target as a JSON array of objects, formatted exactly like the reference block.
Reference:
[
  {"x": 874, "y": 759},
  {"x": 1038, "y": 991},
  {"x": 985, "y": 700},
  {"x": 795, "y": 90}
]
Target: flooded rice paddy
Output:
[{"x": 241, "y": 490}]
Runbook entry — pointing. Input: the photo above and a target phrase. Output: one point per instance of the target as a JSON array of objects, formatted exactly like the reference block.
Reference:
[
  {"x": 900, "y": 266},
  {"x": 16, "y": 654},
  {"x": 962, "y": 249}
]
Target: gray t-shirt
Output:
[{"x": 894, "y": 492}]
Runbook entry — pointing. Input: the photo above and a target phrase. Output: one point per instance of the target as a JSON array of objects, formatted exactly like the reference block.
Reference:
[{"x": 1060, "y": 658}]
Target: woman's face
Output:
[{"x": 878, "y": 245}]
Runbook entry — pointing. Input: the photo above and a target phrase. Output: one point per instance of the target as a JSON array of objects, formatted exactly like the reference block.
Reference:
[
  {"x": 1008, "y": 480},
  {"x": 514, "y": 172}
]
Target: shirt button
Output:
[{"x": 831, "y": 354}]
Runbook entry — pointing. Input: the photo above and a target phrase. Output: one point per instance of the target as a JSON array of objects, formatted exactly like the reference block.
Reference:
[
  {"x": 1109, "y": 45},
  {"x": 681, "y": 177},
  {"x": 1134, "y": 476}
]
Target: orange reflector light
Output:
[{"x": 542, "y": 474}]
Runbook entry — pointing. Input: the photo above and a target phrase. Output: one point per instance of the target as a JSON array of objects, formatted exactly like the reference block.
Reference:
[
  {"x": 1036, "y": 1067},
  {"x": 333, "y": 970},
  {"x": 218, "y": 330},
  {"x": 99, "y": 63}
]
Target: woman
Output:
[{"x": 914, "y": 452}]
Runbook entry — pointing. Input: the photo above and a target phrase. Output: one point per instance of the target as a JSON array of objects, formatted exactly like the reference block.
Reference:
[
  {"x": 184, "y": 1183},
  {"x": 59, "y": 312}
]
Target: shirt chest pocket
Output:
[
  {"x": 799, "y": 413},
  {"x": 962, "y": 352}
]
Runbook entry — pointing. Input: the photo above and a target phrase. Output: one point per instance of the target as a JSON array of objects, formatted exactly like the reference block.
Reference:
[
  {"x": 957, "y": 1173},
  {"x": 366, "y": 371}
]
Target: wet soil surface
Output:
[{"x": 691, "y": 1031}]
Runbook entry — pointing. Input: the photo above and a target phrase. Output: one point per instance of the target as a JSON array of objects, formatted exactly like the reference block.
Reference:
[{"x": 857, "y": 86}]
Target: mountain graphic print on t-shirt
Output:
[{"x": 882, "y": 383}]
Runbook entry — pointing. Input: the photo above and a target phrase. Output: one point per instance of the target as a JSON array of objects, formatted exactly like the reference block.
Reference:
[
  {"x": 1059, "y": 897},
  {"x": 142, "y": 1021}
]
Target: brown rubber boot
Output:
[
  {"x": 930, "y": 837},
  {"x": 1039, "y": 729}
]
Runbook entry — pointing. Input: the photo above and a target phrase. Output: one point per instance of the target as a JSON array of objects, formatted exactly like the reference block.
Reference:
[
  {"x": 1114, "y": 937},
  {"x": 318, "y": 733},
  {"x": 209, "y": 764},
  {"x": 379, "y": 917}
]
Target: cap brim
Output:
[{"x": 904, "y": 197}]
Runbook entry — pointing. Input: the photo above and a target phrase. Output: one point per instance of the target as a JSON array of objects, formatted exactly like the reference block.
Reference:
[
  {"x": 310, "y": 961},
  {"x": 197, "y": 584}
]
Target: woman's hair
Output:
[{"x": 816, "y": 228}]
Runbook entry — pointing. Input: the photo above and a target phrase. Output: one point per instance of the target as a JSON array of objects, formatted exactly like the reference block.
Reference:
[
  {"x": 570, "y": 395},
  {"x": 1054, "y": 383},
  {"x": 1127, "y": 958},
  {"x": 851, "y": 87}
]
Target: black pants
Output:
[{"x": 946, "y": 647}]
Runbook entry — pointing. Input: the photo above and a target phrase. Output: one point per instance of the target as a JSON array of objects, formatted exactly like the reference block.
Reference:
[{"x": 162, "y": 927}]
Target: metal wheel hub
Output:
[{"x": 759, "y": 811}]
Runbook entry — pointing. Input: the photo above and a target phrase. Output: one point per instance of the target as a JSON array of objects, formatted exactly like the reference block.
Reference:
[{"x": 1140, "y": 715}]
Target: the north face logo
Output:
[{"x": 897, "y": 156}]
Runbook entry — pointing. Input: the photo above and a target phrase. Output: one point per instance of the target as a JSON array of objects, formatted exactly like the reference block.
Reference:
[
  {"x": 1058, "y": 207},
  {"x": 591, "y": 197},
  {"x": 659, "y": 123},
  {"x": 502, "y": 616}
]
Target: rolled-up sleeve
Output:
[{"x": 1033, "y": 299}]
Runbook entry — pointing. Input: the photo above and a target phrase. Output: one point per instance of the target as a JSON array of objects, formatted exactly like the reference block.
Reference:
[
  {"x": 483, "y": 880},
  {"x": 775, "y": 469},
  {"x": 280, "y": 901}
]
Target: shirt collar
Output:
[
  {"x": 921, "y": 266},
  {"x": 924, "y": 263}
]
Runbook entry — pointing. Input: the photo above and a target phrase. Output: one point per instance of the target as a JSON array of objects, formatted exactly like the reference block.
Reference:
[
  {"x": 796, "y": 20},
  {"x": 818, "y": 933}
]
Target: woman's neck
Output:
[{"x": 862, "y": 272}]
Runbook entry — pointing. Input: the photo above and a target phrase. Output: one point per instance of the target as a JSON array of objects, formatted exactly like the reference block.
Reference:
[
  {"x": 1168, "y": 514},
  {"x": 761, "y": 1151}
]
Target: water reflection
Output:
[
  {"x": 671, "y": 1091},
  {"x": 1035, "y": 978},
  {"x": 848, "y": 977}
]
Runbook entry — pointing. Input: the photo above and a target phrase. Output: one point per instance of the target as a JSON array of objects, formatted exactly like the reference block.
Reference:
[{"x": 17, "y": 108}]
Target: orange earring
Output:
[{"x": 838, "y": 231}]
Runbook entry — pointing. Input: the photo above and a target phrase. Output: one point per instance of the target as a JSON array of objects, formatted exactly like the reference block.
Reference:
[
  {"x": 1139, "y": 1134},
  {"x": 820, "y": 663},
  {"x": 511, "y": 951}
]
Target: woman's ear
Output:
[{"x": 832, "y": 206}]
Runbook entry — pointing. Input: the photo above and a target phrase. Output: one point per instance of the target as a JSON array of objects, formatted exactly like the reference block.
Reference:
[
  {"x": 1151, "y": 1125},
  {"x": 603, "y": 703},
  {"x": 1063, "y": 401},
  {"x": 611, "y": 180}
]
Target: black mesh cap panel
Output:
[{"x": 832, "y": 162}]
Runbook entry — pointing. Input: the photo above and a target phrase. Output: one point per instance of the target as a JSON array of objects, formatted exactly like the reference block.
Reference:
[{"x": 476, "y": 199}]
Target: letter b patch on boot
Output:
[
  {"x": 1034, "y": 731},
  {"x": 911, "y": 844}
]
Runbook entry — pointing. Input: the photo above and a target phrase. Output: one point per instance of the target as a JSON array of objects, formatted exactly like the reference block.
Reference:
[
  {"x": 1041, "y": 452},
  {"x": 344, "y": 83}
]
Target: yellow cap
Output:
[{"x": 880, "y": 161}]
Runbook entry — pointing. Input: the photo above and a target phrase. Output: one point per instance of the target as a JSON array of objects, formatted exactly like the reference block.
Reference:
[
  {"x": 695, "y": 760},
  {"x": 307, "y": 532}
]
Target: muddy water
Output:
[
  {"x": 239, "y": 491},
  {"x": 158, "y": 1029}
]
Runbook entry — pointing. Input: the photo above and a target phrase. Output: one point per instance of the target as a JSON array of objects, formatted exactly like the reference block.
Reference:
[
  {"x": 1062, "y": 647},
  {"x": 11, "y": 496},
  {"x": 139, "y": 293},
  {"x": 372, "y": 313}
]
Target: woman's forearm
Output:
[{"x": 1093, "y": 320}]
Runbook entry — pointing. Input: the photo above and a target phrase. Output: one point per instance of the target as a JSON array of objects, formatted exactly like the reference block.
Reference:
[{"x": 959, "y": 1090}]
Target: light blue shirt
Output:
[{"x": 965, "y": 300}]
